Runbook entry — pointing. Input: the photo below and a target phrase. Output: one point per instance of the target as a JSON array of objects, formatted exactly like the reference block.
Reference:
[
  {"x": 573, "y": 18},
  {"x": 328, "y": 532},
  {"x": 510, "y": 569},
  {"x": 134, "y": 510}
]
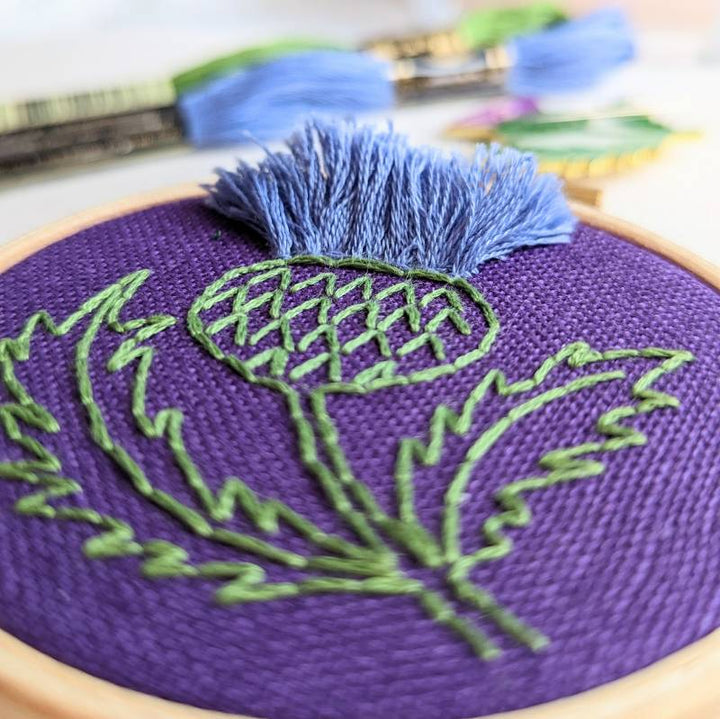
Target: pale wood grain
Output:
[{"x": 35, "y": 686}]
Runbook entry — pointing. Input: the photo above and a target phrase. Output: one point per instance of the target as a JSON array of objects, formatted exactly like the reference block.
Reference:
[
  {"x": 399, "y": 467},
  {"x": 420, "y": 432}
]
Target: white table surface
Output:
[{"x": 675, "y": 197}]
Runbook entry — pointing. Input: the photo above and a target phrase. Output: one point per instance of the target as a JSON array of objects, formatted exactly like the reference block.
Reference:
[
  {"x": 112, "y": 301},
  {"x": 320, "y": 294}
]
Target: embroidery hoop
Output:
[{"x": 35, "y": 686}]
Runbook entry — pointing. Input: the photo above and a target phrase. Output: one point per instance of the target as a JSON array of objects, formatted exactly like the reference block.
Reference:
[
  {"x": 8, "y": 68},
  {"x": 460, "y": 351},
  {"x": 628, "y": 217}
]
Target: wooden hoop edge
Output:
[{"x": 36, "y": 686}]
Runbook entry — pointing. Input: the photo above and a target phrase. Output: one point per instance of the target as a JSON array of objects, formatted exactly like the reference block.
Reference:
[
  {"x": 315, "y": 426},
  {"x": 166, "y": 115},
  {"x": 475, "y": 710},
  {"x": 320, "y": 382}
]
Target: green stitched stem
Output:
[
  {"x": 443, "y": 613},
  {"x": 483, "y": 600},
  {"x": 410, "y": 535},
  {"x": 328, "y": 481}
]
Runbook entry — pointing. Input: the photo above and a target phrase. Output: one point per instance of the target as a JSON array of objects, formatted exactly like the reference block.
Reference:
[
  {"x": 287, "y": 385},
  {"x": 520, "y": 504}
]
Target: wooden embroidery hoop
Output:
[{"x": 34, "y": 686}]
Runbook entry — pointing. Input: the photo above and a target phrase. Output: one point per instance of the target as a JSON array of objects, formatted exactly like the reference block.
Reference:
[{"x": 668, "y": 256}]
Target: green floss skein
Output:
[
  {"x": 200, "y": 74},
  {"x": 550, "y": 137},
  {"x": 487, "y": 28}
]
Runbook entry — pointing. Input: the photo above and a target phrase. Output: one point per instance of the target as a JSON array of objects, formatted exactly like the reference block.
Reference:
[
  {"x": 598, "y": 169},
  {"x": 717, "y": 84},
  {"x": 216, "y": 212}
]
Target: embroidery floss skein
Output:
[
  {"x": 268, "y": 99},
  {"x": 476, "y": 30}
]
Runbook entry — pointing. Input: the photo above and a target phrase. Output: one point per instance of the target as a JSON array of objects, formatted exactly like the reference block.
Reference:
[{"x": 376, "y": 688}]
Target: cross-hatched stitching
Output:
[
  {"x": 245, "y": 320},
  {"x": 280, "y": 302}
]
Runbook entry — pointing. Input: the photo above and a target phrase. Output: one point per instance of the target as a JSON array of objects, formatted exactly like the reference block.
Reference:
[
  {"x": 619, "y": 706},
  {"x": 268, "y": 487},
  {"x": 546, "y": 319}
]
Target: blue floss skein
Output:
[
  {"x": 267, "y": 100},
  {"x": 571, "y": 56},
  {"x": 343, "y": 191}
]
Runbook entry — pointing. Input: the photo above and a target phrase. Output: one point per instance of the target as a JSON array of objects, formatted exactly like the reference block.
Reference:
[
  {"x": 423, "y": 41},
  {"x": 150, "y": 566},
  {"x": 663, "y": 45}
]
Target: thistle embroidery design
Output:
[{"x": 399, "y": 328}]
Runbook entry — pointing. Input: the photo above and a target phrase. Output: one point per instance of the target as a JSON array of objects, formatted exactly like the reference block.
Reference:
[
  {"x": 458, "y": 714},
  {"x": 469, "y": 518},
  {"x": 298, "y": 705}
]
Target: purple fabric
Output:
[{"x": 618, "y": 570}]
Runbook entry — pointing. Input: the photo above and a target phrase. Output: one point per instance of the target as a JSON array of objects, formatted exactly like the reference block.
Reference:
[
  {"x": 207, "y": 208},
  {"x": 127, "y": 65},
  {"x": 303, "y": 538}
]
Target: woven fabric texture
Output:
[{"x": 618, "y": 570}]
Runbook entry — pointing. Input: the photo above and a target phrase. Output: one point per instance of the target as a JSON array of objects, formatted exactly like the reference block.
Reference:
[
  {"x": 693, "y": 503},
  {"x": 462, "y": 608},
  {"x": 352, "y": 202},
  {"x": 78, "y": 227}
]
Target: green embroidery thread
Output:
[{"x": 369, "y": 564}]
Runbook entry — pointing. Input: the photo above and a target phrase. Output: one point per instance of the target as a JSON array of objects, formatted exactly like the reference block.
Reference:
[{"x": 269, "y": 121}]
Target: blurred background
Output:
[{"x": 48, "y": 47}]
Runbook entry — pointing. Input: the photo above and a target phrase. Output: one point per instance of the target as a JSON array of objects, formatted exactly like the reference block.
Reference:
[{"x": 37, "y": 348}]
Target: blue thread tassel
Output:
[{"x": 343, "y": 191}]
